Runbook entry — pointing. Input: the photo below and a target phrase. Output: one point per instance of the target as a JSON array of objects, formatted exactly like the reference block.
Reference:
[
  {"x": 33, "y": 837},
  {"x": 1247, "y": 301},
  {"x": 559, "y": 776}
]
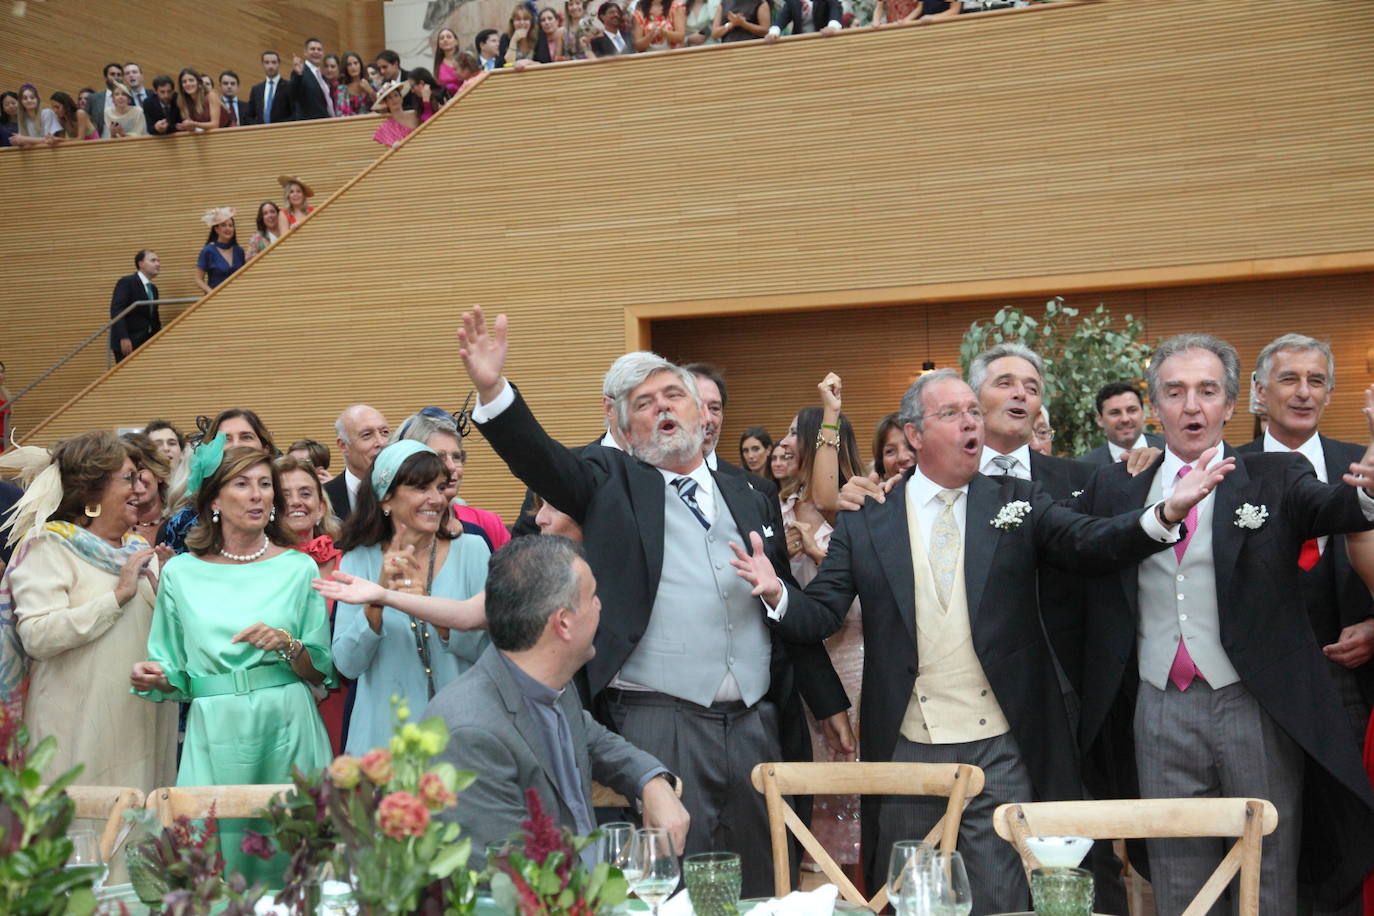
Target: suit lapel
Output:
[
  {"x": 892, "y": 541},
  {"x": 735, "y": 495},
  {"x": 1227, "y": 538},
  {"x": 525, "y": 725},
  {"x": 647, "y": 491},
  {"x": 980, "y": 539},
  {"x": 1132, "y": 492}
]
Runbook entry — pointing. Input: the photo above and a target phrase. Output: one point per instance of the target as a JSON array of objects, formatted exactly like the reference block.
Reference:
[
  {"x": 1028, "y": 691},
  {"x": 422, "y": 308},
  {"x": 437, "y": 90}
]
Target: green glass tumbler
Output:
[
  {"x": 1062, "y": 891},
  {"x": 713, "y": 883}
]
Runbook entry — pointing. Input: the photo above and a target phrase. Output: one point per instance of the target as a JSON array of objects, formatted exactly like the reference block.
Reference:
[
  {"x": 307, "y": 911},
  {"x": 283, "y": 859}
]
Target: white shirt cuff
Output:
[
  {"x": 775, "y": 613},
  {"x": 834, "y": 24},
  {"x": 774, "y": 30},
  {"x": 1366, "y": 504},
  {"x": 482, "y": 413},
  {"x": 1157, "y": 530}
]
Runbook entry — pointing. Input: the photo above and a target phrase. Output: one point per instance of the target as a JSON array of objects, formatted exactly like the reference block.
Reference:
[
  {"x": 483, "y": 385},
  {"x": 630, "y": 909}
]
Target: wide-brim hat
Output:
[
  {"x": 285, "y": 180},
  {"x": 216, "y": 215},
  {"x": 402, "y": 87}
]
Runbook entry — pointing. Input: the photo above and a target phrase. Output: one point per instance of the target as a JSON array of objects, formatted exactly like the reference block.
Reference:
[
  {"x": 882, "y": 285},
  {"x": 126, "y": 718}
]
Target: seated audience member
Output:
[
  {"x": 549, "y": 37},
  {"x": 311, "y": 95},
  {"x": 124, "y": 118},
  {"x": 9, "y": 109},
  {"x": 356, "y": 94},
  {"x": 222, "y": 254},
  {"x": 83, "y": 588},
  {"x": 741, "y": 20},
  {"x": 438, "y": 429},
  {"x": 426, "y": 95},
  {"x": 577, "y": 29},
  {"x": 402, "y": 512},
  {"x": 315, "y": 454},
  {"x": 488, "y": 46},
  {"x": 132, "y": 330},
  {"x": 518, "y": 43},
  {"x": 76, "y": 124},
  {"x": 32, "y": 119},
  {"x": 269, "y": 102},
  {"x": 97, "y": 101},
  {"x": 169, "y": 441},
  {"x": 698, "y": 18},
  {"x": 295, "y": 193},
  {"x": 615, "y": 38},
  {"x": 236, "y": 110},
  {"x": 154, "y": 471},
  {"x": 892, "y": 452},
  {"x": 200, "y": 107},
  {"x": 133, "y": 78},
  {"x": 266, "y": 222},
  {"x": 1121, "y": 417},
  {"x": 160, "y": 110},
  {"x": 362, "y": 432},
  {"x": 388, "y": 64},
  {"x": 446, "y": 60},
  {"x": 400, "y": 121},
  {"x": 513, "y": 719},
  {"x": 241, "y": 428},
  {"x": 754, "y": 444}
]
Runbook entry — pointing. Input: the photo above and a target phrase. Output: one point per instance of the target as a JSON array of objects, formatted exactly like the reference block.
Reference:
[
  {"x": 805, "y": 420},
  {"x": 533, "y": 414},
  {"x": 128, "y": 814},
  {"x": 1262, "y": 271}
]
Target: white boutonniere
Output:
[
  {"x": 1248, "y": 516},
  {"x": 1011, "y": 515},
  {"x": 767, "y": 531},
  {"x": 1076, "y": 493}
]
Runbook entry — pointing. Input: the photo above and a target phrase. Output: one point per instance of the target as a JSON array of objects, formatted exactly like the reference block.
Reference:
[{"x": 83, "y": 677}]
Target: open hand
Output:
[
  {"x": 756, "y": 569},
  {"x": 484, "y": 352},
  {"x": 349, "y": 589},
  {"x": 129, "y": 574},
  {"x": 1198, "y": 482},
  {"x": 1362, "y": 473}
]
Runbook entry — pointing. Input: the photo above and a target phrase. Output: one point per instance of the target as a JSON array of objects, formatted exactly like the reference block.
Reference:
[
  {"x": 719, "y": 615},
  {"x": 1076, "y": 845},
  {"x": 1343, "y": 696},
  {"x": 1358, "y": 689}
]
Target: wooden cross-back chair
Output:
[
  {"x": 107, "y": 803},
  {"x": 1246, "y": 819},
  {"x": 195, "y": 802},
  {"x": 956, "y": 781}
]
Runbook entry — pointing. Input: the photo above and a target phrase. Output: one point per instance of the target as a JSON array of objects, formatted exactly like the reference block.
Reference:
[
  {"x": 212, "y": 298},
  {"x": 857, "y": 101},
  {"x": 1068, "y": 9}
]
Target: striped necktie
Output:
[{"x": 687, "y": 489}]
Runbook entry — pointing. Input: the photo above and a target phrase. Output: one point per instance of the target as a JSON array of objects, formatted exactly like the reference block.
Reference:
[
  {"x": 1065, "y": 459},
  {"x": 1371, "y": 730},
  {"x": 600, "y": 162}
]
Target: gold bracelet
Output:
[{"x": 833, "y": 443}]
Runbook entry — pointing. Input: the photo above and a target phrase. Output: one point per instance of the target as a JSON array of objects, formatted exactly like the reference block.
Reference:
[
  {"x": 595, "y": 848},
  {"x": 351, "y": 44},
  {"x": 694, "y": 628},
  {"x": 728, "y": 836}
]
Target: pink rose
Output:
[
  {"x": 376, "y": 766},
  {"x": 401, "y": 815},
  {"x": 344, "y": 771},
  {"x": 436, "y": 795}
]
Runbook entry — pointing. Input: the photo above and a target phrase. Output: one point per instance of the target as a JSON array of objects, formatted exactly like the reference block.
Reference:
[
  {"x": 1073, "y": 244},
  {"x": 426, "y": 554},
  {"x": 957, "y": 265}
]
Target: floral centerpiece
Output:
[
  {"x": 179, "y": 871},
  {"x": 546, "y": 877}
]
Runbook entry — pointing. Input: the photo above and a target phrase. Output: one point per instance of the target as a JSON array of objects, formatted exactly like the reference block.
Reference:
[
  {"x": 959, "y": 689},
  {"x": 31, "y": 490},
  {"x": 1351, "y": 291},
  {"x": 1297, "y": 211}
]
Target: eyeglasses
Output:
[
  {"x": 1045, "y": 433},
  {"x": 130, "y": 478}
]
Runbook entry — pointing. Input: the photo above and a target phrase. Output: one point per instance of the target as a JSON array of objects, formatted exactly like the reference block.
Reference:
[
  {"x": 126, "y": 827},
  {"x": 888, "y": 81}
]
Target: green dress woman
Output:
[{"x": 238, "y": 631}]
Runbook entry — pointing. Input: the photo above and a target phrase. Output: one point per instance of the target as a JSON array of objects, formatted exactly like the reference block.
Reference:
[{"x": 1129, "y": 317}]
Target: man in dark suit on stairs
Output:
[{"x": 130, "y": 331}]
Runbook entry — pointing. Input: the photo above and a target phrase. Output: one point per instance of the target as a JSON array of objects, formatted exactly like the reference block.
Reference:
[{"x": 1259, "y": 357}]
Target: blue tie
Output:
[
  {"x": 687, "y": 489},
  {"x": 267, "y": 106}
]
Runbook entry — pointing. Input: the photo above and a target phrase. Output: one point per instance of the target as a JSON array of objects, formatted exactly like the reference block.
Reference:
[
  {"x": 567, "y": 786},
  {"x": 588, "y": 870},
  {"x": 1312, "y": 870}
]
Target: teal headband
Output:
[
  {"x": 389, "y": 461},
  {"x": 205, "y": 460}
]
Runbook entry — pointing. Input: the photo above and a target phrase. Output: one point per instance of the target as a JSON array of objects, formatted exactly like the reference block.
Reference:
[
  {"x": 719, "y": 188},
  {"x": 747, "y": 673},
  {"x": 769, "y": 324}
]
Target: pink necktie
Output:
[{"x": 1183, "y": 671}]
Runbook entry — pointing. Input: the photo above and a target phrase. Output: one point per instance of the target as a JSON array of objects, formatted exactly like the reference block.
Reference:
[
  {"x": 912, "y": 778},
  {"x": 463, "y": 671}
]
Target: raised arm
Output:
[
  {"x": 824, "y": 487},
  {"x": 465, "y": 614}
]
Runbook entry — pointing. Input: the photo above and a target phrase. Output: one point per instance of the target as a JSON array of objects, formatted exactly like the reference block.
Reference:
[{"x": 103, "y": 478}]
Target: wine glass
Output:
[
  {"x": 949, "y": 890},
  {"x": 85, "y": 852},
  {"x": 617, "y": 839},
  {"x": 653, "y": 871},
  {"x": 905, "y": 876}
]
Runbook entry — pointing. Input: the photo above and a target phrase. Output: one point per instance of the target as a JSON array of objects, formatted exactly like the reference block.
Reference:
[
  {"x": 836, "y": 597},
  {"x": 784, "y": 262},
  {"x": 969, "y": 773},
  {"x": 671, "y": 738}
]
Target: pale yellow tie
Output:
[{"x": 944, "y": 547}]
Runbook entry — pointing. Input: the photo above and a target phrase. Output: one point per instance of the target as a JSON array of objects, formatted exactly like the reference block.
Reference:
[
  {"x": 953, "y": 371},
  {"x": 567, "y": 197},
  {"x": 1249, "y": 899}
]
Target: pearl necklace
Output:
[{"x": 246, "y": 558}]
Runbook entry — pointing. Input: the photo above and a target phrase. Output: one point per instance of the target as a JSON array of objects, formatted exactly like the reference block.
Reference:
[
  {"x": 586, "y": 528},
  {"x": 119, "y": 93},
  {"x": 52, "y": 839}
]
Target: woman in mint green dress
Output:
[{"x": 238, "y": 631}]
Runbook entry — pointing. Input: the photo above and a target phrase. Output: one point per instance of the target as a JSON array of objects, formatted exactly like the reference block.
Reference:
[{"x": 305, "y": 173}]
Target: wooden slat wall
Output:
[
  {"x": 1072, "y": 138},
  {"x": 773, "y": 362},
  {"x": 93, "y": 205},
  {"x": 61, "y": 44}
]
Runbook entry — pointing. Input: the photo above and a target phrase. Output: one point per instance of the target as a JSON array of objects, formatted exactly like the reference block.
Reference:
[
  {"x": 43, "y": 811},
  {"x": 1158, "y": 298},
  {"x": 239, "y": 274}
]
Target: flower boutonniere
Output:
[
  {"x": 1011, "y": 515},
  {"x": 1252, "y": 517},
  {"x": 1076, "y": 493}
]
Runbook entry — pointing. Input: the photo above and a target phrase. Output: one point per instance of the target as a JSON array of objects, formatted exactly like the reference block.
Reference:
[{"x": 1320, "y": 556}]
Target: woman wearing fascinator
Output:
[
  {"x": 222, "y": 254},
  {"x": 240, "y": 427},
  {"x": 444, "y": 432},
  {"x": 76, "y": 604},
  {"x": 239, "y": 634}
]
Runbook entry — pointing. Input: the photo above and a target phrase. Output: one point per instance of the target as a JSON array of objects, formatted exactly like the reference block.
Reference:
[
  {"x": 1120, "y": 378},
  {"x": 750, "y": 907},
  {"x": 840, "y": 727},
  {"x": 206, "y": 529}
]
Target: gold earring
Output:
[{"x": 90, "y": 514}]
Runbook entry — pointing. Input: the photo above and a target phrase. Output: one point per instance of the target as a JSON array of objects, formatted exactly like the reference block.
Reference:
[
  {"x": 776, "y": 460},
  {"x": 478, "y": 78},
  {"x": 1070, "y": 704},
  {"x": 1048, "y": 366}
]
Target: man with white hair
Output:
[
  {"x": 362, "y": 432},
  {"x": 684, "y": 659}
]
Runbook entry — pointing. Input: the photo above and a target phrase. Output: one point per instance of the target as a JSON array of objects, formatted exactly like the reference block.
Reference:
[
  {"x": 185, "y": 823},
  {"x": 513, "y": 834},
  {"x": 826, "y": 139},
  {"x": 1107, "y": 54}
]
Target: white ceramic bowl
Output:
[{"x": 1059, "y": 851}]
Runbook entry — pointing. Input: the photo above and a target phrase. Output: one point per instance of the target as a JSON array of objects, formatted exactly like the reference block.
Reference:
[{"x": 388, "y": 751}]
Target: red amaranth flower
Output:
[{"x": 542, "y": 835}]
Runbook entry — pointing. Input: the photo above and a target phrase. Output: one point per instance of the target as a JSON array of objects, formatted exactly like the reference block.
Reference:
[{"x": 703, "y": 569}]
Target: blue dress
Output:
[
  {"x": 388, "y": 663},
  {"x": 213, "y": 265}
]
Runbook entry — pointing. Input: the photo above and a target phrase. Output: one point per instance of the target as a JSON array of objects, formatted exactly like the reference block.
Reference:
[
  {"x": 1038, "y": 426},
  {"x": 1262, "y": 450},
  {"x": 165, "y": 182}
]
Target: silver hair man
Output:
[
  {"x": 1265, "y": 364},
  {"x": 913, "y": 408},
  {"x": 1181, "y": 343},
  {"x": 978, "y": 366}
]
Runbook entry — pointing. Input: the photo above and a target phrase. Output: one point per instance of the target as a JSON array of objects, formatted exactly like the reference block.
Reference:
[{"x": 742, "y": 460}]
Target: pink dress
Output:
[
  {"x": 448, "y": 77},
  {"x": 389, "y": 132},
  {"x": 489, "y": 522}
]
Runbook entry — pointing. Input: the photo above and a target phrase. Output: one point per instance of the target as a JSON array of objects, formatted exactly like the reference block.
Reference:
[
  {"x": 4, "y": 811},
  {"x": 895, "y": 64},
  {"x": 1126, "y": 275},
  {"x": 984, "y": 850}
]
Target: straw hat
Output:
[
  {"x": 403, "y": 88},
  {"x": 285, "y": 180},
  {"x": 216, "y": 215}
]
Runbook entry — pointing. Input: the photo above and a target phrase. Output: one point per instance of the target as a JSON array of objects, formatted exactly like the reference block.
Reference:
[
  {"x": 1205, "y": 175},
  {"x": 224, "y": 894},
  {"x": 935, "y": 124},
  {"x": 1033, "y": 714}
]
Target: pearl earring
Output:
[
  {"x": 386, "y": 512},
  {"x": 214, "y": 516},
  {"x": 272, "y": 516}
]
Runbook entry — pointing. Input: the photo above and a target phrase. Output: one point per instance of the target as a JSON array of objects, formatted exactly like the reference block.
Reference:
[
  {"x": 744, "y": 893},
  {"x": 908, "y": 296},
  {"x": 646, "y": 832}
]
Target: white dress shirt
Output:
[
  {"x": 1117, "y": 451},
  {"x": 353, "y": 482},
  {"x": 1021, "y": 455},
  {"x": 147, "y": 285},
  {"x": 923, "y": 496}
]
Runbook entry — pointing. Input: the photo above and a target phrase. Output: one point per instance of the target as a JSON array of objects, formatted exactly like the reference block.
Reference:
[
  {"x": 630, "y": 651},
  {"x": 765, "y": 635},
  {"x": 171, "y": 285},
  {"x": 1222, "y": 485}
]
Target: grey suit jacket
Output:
[
  {"x": 492, "y": 733},
  {"x": 1102, "y": 455}
]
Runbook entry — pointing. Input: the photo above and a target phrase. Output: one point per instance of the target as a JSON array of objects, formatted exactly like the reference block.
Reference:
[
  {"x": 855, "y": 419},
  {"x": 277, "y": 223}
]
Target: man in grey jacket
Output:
[{"x": 513, "y": 719}]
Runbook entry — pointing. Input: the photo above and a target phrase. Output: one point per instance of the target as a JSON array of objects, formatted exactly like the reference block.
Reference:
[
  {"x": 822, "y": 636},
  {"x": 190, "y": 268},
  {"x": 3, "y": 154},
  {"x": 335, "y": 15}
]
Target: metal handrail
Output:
[{"x": 103, "y": 330}]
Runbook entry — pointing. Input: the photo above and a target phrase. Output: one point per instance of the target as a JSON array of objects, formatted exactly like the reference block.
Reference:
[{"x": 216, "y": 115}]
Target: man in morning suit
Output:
[
  {"x": 269, "y": 102},
  {"x": 957, "y": 668},
  {"x": 131, "y": 331},
  {"x": 683, "y": 664},
  {"x": 362, "y": 432},
  {"x": 1206, "y": 678},
  {"x": 513, "y": 719},
  {"x": 310, "y": 95},
  {"x": 1121, "y": 416},
  {"x": 1294, "y": 378}
]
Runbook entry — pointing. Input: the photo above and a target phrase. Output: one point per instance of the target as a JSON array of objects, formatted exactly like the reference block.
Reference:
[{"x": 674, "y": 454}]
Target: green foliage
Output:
[
  {"x": 181, "y": 870},
  {"x": 1081, "y": 355}
]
